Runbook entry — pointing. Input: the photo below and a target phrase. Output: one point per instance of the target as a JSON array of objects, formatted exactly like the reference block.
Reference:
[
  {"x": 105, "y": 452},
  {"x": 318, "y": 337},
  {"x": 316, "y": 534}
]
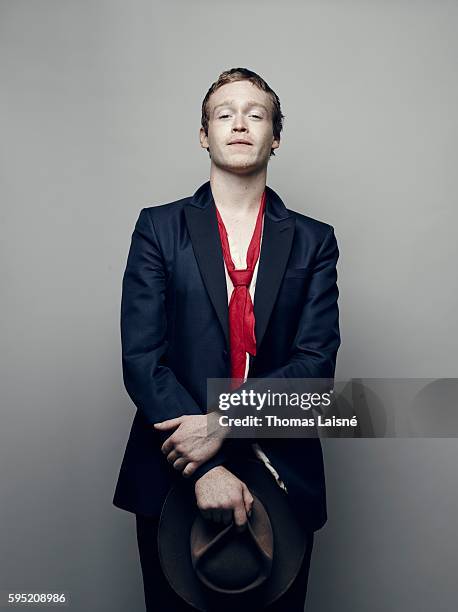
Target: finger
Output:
[
  {"x": 168, "y": 445},
  {"x": 240, "y": 515},
  {"x": 173, "y": 456},
  {"x": 190, "y": 469},
  {"x": 247, "y": 500},
  {"x": 179, "y": 464},
  {"x": 169, "y": 423}
]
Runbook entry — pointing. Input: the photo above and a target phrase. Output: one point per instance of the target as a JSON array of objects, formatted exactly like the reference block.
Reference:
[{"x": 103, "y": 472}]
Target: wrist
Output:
[
  {"x": 214, "y": 426},
  {"x": 213, "y": 472}
]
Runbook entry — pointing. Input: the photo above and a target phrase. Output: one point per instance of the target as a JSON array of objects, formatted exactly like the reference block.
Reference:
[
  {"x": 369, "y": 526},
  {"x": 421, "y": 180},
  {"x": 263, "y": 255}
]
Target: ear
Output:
[
  {"x": 275, "y": 143},
  {"x": 203, "y": 138}
]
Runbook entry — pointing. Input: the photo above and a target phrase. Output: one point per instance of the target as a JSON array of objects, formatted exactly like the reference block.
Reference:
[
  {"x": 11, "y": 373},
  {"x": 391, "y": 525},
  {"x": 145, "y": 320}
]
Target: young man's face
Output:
[{"x": 239, "y": 111}]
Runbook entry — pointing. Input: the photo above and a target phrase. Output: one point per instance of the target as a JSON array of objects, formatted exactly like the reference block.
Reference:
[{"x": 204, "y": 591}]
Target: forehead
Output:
[{"x": 239, "y": 92}]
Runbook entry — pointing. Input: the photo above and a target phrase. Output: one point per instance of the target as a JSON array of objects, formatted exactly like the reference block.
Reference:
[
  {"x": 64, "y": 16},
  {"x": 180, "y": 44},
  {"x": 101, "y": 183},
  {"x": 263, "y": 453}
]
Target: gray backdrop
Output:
[{"x": 100, "y": 111}]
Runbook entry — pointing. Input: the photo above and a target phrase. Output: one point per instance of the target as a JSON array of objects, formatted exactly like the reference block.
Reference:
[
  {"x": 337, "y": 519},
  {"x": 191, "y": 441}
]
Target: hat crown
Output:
[{"x": 229, "y": 560}]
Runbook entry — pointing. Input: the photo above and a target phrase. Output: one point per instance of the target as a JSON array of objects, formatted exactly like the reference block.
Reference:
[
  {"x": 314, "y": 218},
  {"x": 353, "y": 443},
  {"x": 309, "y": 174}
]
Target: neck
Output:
[{"x": 237, "y": 195}]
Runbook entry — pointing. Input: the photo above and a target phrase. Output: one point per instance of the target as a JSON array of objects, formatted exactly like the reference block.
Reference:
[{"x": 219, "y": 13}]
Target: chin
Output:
[
  {"x": 246, "y": 169},
  {"x": 242, "y": 162}
]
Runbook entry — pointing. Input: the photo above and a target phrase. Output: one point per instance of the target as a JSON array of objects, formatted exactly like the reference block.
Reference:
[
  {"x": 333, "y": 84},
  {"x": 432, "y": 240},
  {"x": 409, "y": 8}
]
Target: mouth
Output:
[{"x": 241, "y": 142}]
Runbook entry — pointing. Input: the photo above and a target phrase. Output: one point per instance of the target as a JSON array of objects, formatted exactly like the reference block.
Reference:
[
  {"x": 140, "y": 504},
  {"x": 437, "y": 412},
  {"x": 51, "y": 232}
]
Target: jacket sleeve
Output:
[{"x": 150, "y": 383}]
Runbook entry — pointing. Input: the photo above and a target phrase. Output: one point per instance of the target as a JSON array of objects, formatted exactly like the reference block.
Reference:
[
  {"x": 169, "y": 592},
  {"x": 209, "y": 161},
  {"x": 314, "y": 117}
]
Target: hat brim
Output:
[{"x": 177, "y": 517}]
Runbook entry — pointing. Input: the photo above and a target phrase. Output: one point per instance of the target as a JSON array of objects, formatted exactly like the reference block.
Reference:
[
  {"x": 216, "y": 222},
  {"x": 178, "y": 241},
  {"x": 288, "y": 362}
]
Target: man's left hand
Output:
[{"x": 196, "y": 439}]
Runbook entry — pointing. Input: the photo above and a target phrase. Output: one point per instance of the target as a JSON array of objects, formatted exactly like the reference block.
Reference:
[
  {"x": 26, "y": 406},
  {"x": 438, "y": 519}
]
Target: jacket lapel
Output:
[
  {"x": 203, "y": 230},
  {"x": 276, "y": 245}
]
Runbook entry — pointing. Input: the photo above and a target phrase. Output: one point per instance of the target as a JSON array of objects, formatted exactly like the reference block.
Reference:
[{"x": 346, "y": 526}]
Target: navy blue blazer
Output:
[{"x": 174, "y": 332}]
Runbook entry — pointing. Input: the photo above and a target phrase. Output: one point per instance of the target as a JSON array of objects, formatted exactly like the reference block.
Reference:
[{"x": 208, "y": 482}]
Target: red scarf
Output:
[{"x": 241, "y": 314}]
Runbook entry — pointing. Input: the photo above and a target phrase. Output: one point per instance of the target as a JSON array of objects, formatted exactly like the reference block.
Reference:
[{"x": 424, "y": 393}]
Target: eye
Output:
[
  {"x": 256, "y": 116},
  {"x": 223, "y": 116}
]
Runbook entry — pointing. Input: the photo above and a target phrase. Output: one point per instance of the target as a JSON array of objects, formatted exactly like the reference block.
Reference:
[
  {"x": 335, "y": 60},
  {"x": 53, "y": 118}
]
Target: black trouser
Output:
[{"x": 160, "y": 597}]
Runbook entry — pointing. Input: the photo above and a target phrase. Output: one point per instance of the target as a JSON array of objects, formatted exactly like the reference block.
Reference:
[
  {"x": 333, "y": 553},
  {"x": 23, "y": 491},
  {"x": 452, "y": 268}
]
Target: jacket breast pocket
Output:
[{"x": 297, "y": 272}]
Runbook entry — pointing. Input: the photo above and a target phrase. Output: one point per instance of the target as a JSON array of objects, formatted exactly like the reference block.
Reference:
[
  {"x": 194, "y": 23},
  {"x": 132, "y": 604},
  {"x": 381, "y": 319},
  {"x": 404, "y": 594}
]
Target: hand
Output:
[
  {"x": 221, "y": 497},
  {"x": 196, "y": 439}
]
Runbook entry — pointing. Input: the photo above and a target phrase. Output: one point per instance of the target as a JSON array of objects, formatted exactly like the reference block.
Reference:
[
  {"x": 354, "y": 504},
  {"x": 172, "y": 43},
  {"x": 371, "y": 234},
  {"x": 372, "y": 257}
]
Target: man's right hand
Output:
[{"x": 221, "y": 497}]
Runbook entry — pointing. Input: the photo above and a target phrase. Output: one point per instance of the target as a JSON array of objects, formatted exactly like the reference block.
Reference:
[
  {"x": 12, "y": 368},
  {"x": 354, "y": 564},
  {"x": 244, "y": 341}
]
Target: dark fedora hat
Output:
[{"x": 208, "y": 564}]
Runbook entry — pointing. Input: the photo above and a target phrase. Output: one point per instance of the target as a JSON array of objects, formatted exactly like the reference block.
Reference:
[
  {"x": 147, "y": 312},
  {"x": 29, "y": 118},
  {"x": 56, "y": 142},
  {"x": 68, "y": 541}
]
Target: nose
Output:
[{"x": 239, "y": 123}]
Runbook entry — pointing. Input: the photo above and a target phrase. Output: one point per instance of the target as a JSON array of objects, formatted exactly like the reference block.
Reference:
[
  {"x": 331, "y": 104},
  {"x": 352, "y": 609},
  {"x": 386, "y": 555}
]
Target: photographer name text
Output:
[{"x": 271, "y": 420}]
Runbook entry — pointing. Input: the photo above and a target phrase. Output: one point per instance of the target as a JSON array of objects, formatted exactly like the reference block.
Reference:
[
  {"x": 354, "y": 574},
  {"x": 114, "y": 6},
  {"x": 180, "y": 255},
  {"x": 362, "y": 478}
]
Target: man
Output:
[{"x": 186, "y": 316}]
